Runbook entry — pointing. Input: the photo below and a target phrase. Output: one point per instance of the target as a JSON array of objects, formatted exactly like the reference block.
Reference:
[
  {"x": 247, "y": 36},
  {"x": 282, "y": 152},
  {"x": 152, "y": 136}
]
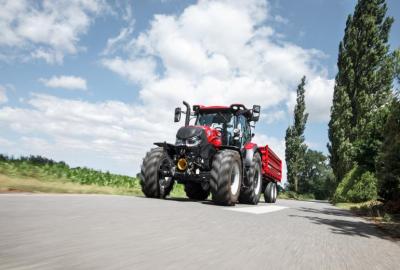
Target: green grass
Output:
[
  {"x": 290, "y": 195},
  {"x": 377, "y": 212},
  {"x": 33, "y": 185},
  {"x": 38, "y": 174}
]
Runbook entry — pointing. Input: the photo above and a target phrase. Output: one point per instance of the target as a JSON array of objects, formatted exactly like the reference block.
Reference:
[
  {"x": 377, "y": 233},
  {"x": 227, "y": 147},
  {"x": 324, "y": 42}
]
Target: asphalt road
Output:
[{"x": 117, "y": 232}]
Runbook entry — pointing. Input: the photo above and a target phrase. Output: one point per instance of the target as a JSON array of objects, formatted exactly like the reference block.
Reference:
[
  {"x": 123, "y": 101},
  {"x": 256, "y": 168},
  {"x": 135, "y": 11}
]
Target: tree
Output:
[
  {"x": 362, "y": 89},
  {"x": 340, "y": 147},
  {"x": 388, "y": 164},
  {"x": 317, "y": 177},
  {"x": 396, "y": 58},
  {"x": 294, "y": 139}
]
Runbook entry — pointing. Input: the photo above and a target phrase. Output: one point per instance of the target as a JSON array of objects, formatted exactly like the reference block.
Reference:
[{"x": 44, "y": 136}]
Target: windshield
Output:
[{"x": 215, "y": 120}]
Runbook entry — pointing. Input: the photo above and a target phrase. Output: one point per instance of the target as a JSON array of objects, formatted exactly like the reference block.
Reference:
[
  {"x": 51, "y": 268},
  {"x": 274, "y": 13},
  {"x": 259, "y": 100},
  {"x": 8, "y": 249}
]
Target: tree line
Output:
[{"x": 364, "y": 127}]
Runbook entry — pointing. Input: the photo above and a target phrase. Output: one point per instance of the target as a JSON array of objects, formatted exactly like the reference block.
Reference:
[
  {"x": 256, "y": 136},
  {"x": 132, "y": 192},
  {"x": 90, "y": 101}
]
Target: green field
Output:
[{"x": 38, "y": 174}]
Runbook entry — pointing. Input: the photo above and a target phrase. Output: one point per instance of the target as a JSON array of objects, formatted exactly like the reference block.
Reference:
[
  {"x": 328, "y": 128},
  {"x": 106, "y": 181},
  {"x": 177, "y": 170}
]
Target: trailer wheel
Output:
[
  {"x": 252, "y": 193},
  {"x": 270, "y": 193},
  {"x": 195, "y": 191},
  {"x": 154, "y": 175},
  {"x": 226, "y": 177}
]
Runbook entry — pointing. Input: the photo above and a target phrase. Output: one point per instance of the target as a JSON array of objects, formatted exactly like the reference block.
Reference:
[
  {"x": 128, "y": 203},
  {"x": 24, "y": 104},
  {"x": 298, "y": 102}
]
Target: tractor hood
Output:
[
  {"x": 205, "y": 133},
  {"x": 189, "y": 132}
]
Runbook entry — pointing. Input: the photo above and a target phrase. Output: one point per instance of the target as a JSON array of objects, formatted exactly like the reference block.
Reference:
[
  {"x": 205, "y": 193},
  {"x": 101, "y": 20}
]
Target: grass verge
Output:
[
  {"x": 378, "y": 213},
  {"x": 289, "y": 195},
  {"x": 39, "y": 174},
  {"x": 27, "y": 184}
]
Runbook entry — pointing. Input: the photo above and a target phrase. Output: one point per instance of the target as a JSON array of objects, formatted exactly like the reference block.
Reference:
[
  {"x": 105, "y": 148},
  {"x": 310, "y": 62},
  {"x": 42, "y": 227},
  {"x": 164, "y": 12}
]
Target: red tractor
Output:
[{"x": 214, "y": 155}]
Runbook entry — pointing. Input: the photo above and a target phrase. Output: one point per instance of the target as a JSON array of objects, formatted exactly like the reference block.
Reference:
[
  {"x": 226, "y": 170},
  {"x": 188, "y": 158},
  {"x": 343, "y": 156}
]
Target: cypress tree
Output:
[
  {"x": 388, "y": 164},
  {"x": 396, "y": 58},
  {"x": 340, "y": 146},
  {"x": 362, "y": 88},
  {"x": 294, "y": 140}
]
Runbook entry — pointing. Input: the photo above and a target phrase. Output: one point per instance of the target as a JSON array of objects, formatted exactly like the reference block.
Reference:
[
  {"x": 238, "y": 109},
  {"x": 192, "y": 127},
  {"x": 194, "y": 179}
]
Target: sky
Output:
[{"x": 95, "y": 83}]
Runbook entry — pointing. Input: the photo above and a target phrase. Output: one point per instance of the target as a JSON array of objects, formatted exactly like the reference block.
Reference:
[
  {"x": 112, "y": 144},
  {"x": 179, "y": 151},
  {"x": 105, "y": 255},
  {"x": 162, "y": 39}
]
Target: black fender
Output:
[
  {"x": 234, "y": 148},
  {"x": 168, "y": 147}
]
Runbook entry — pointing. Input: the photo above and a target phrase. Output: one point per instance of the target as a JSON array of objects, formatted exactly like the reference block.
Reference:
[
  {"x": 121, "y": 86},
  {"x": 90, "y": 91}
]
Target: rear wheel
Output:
[
  {"x": 252, "y": 193},
  {"x": 226, "y": 177},
  {"x": 155, "y": 177},
  {"x": 270, "y": 193},
  {"x": 195, "y": 191}
]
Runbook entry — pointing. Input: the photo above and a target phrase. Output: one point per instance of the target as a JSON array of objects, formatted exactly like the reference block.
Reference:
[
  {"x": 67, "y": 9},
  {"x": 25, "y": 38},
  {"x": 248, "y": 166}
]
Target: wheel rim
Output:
[
  {"x": 235, "y": 179},
  {"x": 257, "y": 181},
  {"x": 272, "y": 192}
]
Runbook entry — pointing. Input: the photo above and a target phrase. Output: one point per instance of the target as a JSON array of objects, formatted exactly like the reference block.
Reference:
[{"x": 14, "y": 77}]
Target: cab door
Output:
[{"x": 245, "y": 131}]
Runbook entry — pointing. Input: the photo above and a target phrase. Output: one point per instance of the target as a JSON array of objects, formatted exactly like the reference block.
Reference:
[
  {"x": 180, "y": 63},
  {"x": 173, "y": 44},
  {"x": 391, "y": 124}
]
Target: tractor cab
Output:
[{"x": 231, "y": 122}]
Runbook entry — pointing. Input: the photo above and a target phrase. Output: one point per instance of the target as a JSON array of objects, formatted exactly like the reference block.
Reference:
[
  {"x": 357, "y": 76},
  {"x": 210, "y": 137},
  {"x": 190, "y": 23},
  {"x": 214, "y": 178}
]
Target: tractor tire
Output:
[
  {"x": 270, "y": 193},
  {"x": 252, "y": 193},
  {"x": 194, "y": 191},
  {"x": 153, "y": 186},
  {"x": 226, "y": 177}
]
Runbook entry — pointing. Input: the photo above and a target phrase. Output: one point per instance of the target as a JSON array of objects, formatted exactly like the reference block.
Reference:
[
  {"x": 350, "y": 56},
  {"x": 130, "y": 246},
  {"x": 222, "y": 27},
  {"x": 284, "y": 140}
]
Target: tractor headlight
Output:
[
  {"x": 179, "y": 142},
  {"x": 191, "y": 142},
  {"x": 194, "y": 141}
]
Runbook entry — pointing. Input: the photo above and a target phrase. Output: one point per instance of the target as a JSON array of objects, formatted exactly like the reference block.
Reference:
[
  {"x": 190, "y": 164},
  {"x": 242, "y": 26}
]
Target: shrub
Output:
[{"x": 358, "y": 185}]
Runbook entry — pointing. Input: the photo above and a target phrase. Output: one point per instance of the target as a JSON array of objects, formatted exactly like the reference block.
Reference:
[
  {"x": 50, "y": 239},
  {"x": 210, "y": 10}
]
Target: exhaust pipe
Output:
[{"x": 187, "y": 119}]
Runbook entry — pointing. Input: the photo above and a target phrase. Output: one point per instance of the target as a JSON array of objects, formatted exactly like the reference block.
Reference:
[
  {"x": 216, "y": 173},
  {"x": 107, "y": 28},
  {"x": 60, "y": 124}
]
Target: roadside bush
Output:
[{"x": 358, "y": 185}]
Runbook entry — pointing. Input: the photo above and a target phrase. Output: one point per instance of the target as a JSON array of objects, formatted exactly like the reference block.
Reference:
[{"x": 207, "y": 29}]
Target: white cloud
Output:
[
  {"x": 273, "y": 116},
  {"x": 280, "y": 19},
  {"x": 46, "y": 29},
  {"x": 66, "y": 82},
  {"x": 137, "y": 70},
  {"x": 118, "y": 42},
  {"x": 318, "y": 98},
  {"x": 3, "y": 95},
  {"x": 5, "y": 143},
  {"x": 204, "y": 62},
  {"x": 319, "y": 95},
  {"x": 232, "y": 56},
  {"x": 112, "y": 129}
]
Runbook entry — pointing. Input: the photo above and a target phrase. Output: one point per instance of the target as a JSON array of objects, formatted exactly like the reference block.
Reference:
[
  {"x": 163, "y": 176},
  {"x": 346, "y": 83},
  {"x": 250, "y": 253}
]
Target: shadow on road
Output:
[
  {"x": 326, "y": 211},
  {"x": 339, "y": 222},
  {"x": 208, "y": 202}
]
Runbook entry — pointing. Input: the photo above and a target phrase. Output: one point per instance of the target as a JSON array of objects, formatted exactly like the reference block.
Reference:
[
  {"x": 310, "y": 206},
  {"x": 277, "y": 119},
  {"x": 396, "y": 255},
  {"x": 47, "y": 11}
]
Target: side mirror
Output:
[
  {"x": 256, "y": 113},
  {"x": 178, "y": 113}
]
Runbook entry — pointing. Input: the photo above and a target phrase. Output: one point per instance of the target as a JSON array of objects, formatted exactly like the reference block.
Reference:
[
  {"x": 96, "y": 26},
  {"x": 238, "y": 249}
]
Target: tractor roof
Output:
[
  {"x": 202, "y": 107},
  {"x": 233, "y": 107}
]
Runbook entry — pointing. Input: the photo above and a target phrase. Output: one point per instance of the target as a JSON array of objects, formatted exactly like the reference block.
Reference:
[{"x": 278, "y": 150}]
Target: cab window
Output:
[{"x": 244, "y": 127}]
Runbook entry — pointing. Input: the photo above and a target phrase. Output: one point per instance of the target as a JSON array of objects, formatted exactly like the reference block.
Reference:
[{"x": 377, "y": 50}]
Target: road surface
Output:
[{"x": 122, "y": 232}]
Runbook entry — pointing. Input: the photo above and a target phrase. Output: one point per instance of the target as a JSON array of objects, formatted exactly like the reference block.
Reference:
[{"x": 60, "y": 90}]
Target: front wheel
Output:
[
  {"x": 155, "y": 177},
  {"x": 226, "y": 177},
  {"x": 251, "y": 194},
  {"x": 270, "y": 193}
]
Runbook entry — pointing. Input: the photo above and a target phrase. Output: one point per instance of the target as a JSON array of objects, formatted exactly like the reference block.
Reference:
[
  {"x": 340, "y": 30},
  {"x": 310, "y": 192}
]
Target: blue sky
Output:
[{"x": 95, "y": 82}]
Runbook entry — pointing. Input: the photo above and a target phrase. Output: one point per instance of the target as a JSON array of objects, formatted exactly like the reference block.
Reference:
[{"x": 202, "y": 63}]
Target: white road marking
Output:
[{"x": 257, "y": 209}]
